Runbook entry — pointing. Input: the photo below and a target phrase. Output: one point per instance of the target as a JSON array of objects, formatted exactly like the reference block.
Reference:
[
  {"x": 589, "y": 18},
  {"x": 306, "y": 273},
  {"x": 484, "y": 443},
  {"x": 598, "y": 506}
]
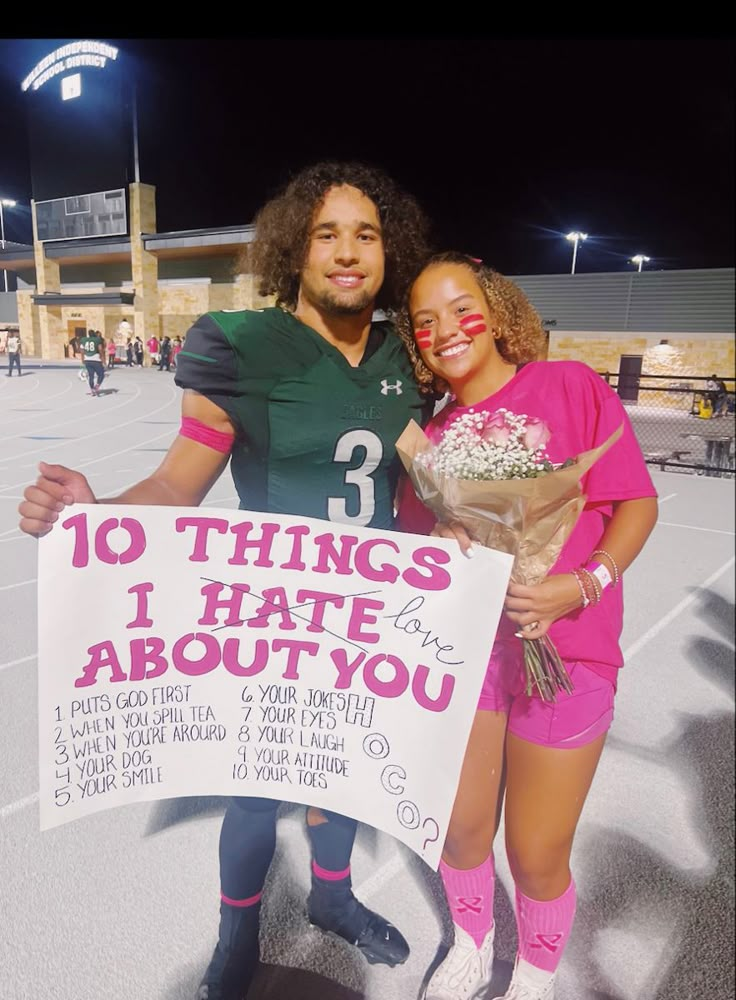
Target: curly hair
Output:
[
  {"x": 521, "y": 336},
  {"x": 279, "y": 251}
]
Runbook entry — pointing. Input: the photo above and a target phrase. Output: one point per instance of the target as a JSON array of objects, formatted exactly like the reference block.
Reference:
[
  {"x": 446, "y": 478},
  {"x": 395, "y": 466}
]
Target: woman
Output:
[
  {"x": 176, "y": 347},
  {"x": 111, "y": 349},
  {"x": 473, "y": 331}
]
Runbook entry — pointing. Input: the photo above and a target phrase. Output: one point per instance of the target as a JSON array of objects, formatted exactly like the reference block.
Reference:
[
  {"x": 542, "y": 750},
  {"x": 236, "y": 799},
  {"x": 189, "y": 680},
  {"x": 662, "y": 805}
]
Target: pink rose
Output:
[
  {"x": 537, "y": 434},
  {"x": 496, "y": 431}
]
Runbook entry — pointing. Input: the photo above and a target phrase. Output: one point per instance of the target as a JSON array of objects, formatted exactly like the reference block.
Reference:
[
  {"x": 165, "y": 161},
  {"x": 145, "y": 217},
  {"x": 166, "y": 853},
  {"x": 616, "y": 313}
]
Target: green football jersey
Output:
[
  {"x": 89, "y": 345},
  {"x": 315, "y": 435}
]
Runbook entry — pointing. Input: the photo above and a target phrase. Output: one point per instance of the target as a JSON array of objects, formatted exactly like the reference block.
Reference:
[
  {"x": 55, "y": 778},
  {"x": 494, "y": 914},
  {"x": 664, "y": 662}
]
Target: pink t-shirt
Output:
[{"x": 581, "y": 411}]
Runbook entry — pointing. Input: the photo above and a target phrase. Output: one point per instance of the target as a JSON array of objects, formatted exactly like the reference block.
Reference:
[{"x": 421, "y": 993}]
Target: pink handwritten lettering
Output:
[
  {"x": 419, "y": 690},
  {"x": 231, "y": 658},
  {"x": 223, "y": 597},
  {"x": 385, "y": 573},
  {"x": 295, "y": 649},
  {"x": 430, "y": 559},
  {"x": 206, "y": 663},
  {"x": 359, "y": 616},
  {"x": 392, "y": 688},
  {"x": 101, "y": 655},
  {"x": 316, "y": 602},
  {"x": 202, "y": 527},
  {"x": 143, "y": 652},
  {"x": 262, "y": 544}
]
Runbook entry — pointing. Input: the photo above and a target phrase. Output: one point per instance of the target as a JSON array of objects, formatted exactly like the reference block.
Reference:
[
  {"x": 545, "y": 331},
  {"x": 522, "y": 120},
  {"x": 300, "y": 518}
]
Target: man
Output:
[
  {"x": 718, "y": 395},
  {"x": 92, "y": 347},
  {"x": 309, "y": 398},
  {"x": 13, "y": 346},
  {"x": 164, "y": 363}
]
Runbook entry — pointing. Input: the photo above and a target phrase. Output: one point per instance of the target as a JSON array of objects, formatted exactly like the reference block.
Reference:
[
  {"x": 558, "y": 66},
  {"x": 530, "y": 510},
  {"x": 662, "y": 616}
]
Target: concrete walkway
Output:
[{"x": 123, "y": 905}]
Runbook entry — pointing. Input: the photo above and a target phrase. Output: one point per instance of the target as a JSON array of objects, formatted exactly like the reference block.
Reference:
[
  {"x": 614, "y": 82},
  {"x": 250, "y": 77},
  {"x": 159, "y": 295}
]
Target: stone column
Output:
[
  {"x": 52, "y": 334},
  {"x": 144, "y": 265},
  {"x": 246, "y": 295},
  {"x": 30, "y": 334}
]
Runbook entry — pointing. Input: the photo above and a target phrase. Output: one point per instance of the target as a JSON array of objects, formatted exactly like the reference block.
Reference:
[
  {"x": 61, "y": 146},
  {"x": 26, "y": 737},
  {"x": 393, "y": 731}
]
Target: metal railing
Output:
[{"x": 675, "y": 421}]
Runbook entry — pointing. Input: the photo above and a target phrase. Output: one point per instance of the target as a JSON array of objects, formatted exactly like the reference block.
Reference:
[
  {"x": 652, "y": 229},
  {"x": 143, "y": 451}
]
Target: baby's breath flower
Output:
[
  {"x": 483, "y": 446},
  {"x": 487, "y": 446}
]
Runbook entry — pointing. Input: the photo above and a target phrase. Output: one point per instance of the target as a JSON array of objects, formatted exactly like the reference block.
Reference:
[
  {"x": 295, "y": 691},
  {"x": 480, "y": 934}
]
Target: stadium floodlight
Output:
[
  {"x": 575, "y": 238},
  {"x": 640, "y": 259}
]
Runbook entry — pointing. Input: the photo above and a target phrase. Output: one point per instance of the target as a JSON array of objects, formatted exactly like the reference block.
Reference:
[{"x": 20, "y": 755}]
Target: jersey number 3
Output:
[{"x": 369, "y": 445}]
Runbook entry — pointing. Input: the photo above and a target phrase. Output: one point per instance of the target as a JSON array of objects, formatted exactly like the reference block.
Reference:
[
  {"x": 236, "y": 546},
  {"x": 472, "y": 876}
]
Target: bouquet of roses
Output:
[{"x": 490, "y": 471}]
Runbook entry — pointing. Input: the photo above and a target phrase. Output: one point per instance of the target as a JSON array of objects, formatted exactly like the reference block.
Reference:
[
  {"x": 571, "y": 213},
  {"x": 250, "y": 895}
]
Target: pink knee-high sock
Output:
[
  {"x": 470, "y": 896},
  {"x": 544, "y": 927}
]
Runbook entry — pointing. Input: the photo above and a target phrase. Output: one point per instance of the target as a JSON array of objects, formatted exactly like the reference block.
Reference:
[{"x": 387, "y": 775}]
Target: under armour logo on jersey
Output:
[
  {"x": 548, "y": 941},
  {"x": 388, "y": 387},
  {"x": 474, "y": 904}
]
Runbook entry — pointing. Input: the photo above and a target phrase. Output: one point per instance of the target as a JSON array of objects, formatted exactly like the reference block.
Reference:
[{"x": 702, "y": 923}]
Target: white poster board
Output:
[{"x": 185, "y": 651}]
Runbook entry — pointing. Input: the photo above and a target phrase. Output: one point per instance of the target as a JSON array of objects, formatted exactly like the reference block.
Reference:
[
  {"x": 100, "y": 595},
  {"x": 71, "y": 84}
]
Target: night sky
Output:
[{"x": 508, "y": 144}]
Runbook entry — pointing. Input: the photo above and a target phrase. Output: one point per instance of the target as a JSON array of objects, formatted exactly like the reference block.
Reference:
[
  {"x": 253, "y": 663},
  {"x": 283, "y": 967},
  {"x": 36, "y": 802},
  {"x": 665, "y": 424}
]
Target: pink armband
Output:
[{"x": 208, "y": 436}]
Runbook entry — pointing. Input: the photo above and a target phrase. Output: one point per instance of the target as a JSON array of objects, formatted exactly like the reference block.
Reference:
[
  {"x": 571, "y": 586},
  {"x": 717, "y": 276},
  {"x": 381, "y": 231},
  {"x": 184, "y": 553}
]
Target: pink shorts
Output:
[{"x": 571, "y": 721}]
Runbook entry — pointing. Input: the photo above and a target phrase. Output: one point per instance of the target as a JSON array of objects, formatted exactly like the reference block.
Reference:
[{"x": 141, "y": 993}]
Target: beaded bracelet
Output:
[
  {"x": 594, "y": 583},
  {"x": 590, "y": 591},
  {"x": 614, "y": 565},
  {"x": 583, "y": 594}
]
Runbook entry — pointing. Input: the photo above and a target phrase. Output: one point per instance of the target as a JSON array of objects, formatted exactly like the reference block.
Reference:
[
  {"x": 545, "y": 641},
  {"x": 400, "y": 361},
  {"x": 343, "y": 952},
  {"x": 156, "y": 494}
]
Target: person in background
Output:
[
  {"x": 13, "y": 347},
  {"x": 152, "y": 345},
  {"x": 164, "y": 362},
  {"x": 111, "y": 351},
  {"x": 176, "y": 346},
  {"x": 473, "y": 331},
  {"x": 718, "y": 395},
  {"x": 92, "y": 346},
  {"x": 138, "y": 351}
]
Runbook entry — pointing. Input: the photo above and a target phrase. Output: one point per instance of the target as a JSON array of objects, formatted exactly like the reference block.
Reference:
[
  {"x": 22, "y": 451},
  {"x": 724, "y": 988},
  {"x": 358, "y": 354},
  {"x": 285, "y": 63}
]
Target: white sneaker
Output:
[
  {"x": 466, "y": 971},
  {"x": 519, "y": 990}
]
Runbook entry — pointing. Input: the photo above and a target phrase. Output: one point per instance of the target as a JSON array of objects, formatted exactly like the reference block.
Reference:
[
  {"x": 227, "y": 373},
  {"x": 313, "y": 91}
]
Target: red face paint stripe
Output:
[
  {"x": 473, "y": 318},
  {"x": 423, "y": 337},
  {"x": 473, "y": 331}
]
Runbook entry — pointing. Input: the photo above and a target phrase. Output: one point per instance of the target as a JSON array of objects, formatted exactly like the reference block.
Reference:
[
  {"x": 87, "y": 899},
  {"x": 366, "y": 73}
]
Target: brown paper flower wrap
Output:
[{"x": 529, "y": 518}]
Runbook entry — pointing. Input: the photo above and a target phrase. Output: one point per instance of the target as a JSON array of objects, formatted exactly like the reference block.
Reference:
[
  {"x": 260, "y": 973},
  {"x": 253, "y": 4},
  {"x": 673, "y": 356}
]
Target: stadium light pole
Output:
[
  {"x": 640, "y": 259},
  {"x": 8, "y": 203},
  {"x": 575, "y": 238}
]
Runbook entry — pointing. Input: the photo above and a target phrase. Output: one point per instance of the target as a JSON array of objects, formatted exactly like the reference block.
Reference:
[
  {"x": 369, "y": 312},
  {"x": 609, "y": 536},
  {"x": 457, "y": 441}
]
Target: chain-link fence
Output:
[{"x": 682, "y": 424}]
